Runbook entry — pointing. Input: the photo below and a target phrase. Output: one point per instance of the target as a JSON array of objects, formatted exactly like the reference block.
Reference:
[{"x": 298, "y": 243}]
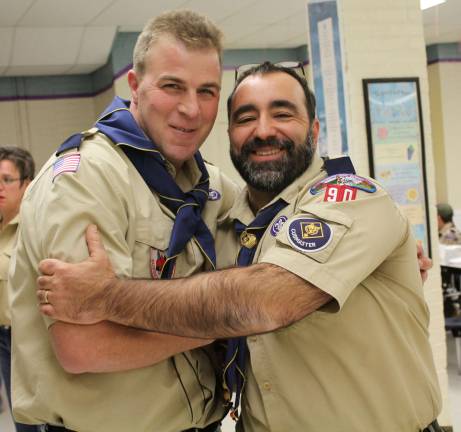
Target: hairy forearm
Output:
[
  {"x": 227, "y": 303},
  {"x": 109, "y": 347}
]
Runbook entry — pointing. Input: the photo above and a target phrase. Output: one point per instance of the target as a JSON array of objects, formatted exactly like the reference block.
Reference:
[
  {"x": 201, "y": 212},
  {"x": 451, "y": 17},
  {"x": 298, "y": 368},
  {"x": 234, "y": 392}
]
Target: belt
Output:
[
  {"x": 213, "y": 427},
  {"x": 433, "y": 427},
  {"x": 52, "y": 428}
]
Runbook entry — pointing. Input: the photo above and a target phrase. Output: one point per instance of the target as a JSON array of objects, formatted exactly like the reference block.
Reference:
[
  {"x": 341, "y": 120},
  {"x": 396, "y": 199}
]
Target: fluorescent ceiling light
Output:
[{"x": 426, "y": 4}]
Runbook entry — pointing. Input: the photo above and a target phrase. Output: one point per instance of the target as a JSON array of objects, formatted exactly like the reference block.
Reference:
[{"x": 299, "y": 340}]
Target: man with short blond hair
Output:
[{"x": 138, "y": 174}]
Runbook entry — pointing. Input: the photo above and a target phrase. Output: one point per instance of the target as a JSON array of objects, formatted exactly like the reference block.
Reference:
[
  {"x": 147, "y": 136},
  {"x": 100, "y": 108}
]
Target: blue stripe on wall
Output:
[{"x": 444, "y": 52}]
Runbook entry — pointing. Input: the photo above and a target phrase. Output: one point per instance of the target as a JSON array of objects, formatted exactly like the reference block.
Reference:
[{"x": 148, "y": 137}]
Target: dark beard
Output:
[{"x": 273, "y": 176}]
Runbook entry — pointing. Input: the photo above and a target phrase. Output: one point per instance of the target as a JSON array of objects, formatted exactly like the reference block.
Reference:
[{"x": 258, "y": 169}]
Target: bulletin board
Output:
[{"x": 396, "y": 147}]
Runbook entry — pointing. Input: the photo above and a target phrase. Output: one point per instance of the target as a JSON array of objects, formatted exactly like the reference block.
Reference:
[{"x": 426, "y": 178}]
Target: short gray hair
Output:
[{"x": 194, "y": 30}]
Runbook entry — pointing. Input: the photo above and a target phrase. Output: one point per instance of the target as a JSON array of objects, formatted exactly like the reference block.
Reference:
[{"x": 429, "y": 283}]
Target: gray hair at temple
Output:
[{"x": 194, "y": 30}]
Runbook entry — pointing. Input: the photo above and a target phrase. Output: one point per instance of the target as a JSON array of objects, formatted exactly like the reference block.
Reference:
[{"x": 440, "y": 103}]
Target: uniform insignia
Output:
[
  {"x": 157, "y": 261},
  {"x": 309, "y": 235},
  {"x": 248, "y": 240},
  {"x": 66, "y": 163},
  {"x": 277, "y": 225},
  {"x": 351, "y": 180},
  {"x": 338, "y": 193},
  {"x": 213, "y": 195}
]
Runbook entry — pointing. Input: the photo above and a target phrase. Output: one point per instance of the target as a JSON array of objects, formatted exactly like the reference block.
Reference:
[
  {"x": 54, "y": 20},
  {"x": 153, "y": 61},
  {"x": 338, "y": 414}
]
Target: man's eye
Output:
[
  {"x": 171, "y": 86},
  {"x": 246, "y": 119},
  {"x": 283, "y": 115},
  {"x": 208, "y": 92}
]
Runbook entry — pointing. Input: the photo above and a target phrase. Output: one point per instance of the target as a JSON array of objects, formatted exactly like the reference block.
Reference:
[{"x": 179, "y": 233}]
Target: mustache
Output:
[{"x": 257, "y": 143}]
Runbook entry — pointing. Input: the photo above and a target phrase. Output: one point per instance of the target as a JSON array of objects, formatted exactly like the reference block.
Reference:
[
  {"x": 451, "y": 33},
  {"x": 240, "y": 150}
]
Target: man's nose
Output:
[
  {"x": 189, "y": 105},
  {"x": 265, "y": 128}
]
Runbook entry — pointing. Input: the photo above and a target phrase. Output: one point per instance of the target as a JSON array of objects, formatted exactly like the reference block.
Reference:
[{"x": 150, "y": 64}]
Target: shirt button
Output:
[{"x": 267, "y": 386}]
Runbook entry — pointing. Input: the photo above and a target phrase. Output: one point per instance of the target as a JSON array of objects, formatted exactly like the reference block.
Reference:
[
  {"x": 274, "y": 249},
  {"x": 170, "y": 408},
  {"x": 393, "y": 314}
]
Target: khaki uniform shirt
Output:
[
  {"x": 107, "y": 190},
  {"x": 7, "y": 242},
  {"x": 450, "y": 235},
  {"x": 363, "y": 362}
]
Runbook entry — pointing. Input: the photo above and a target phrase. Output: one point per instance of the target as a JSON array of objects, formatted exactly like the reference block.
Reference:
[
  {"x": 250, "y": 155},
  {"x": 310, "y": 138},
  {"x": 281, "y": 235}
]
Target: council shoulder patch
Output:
[
  {"x": 67, "y": 163},
  {"x": 213, "y": 195},
  {"x": 350, "y": 180},
  {"x": 309, "y": 234}
]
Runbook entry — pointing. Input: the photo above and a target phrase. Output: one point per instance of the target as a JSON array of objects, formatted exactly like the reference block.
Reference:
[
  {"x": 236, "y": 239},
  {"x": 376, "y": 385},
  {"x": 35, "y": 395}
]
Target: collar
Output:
[{"x": 13, "y": 222}]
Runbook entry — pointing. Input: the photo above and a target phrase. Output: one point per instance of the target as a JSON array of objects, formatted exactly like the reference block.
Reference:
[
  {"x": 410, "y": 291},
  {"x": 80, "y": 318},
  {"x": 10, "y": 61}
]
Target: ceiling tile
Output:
[
  {"x": 12, "y": 11},
  {"x": 6, "y": 47},
  {"x": 46, "y": 46},
  {"x": 82, "y": 68},
  {"x": 134, "y": 13},
  {"x": 60, "y": 13},
  {"x": 289, "y": 32},
  {"x": 35, "y": 70},
  {"x": 96, "y": 45},
  {"x": 218, "y": 10}
]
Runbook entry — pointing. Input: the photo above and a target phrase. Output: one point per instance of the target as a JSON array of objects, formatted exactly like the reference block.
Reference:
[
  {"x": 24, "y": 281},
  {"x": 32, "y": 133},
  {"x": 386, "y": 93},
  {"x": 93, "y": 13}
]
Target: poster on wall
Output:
[
  {"x": 327, "y": 67},
  {"x": 396, "y": 147}
]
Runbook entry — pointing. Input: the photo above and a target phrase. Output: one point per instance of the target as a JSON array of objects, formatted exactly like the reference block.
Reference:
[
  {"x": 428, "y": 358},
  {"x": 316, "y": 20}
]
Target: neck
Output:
[
  {"x": 259, "y": 199},
  {"x": 6, "y": 218}
]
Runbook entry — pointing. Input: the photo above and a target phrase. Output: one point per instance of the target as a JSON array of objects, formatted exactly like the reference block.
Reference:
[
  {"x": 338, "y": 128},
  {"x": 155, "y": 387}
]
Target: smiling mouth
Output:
[
  {"x": 180, "y": 129},
  {"x": 267, "y": 152}
]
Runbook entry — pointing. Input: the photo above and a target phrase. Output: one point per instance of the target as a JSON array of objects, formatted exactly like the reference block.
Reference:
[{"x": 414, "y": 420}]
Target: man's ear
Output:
[
  {"x": 133, "y": 82},
  {"x": 315, "y": 133}
]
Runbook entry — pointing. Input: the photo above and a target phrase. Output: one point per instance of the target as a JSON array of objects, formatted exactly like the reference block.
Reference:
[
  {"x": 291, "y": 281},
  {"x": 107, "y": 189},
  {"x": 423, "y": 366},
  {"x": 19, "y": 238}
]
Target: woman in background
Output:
[{"x": 16, "y": 172}]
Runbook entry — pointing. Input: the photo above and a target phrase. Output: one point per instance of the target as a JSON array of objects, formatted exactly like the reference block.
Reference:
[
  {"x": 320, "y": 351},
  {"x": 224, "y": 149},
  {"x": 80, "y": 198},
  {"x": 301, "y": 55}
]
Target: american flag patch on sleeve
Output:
[{"x": 67, "y": 163}]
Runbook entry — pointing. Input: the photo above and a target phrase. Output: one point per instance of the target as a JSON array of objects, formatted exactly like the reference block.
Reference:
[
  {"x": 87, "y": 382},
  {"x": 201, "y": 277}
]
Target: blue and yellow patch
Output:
[
  {"x": 351, "y": 180},
  {"x": 309, "y": 234}
]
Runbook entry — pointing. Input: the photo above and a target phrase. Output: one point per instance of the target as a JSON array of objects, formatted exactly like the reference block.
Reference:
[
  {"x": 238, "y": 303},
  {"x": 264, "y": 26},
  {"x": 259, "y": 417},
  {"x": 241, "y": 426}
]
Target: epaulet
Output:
[
  {"x": 341, "y": 165},
  {"x": 74, "y": 141}
]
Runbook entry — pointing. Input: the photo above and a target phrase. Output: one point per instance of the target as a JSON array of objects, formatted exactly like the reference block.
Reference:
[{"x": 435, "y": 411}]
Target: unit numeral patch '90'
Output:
[{"x": 309, "y": 235}]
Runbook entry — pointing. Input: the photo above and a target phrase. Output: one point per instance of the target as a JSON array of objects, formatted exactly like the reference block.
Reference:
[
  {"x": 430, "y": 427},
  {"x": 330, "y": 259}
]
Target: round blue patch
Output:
[
  {"x": 277, "y": 225},
  {"x": 213, "y": 195},
  {"x": 309, "y": 235}
]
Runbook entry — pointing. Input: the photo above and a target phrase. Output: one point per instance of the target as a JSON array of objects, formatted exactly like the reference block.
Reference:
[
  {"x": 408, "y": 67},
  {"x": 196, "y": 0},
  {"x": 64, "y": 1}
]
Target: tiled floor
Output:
[{"x": 454, "y": 380}]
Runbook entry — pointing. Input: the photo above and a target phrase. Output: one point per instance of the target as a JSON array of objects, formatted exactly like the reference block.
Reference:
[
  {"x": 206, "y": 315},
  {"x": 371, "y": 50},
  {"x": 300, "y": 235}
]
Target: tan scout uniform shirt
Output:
[
  {"x": 108, "y": 191},
  {"x": 362, "y": 363},
  {"x": 7, "y": 242},
  {"x": 450, "y": 235}
]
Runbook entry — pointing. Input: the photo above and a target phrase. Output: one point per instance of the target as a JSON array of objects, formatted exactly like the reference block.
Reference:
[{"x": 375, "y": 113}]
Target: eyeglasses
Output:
[
  {"x": 296, "y": 66},
  {"x": 8, "y": 181}
]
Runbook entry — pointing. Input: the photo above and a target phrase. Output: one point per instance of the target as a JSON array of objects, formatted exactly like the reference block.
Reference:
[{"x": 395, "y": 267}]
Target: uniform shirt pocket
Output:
[{"x": 150, "y": 248}]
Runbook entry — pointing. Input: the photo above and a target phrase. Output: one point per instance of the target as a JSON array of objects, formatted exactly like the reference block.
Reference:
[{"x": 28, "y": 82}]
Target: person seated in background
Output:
[
  {"x": 16, "y": 172},
  {"x": 448, "y": 233}
]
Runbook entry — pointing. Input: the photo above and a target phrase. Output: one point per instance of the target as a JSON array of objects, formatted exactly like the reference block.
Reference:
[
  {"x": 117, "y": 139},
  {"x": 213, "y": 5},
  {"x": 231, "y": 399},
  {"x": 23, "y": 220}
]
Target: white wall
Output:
[{"x": 385, "y": 39}]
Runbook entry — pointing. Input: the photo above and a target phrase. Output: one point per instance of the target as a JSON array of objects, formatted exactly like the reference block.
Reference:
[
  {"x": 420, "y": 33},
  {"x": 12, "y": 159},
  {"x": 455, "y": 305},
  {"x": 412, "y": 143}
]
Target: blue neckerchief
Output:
[
  {"x": 118, "y": 124},
  {"x": 236, "y": 352}
]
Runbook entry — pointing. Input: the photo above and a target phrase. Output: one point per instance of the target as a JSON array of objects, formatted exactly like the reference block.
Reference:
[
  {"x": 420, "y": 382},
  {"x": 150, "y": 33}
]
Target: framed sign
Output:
[{"x": 396, "y": 147}]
